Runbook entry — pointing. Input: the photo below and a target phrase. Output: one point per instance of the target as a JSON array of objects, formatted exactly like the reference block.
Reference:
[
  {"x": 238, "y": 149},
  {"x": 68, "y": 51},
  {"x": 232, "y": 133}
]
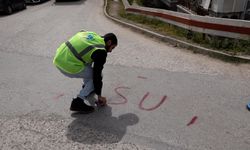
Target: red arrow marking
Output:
[
  {"x": 141, "y": 77},
  {"x": 58, "y": 96},
  {"x": 192, "y": 121}
]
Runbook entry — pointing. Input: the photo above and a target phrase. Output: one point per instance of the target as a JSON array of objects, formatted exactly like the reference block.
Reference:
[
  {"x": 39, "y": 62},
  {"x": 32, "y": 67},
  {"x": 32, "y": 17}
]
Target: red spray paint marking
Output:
[
  {"x": 58, "y": 96},
  {"x": 192, "y": 121},
  {"x": 152, "y": 108},
  {"x": 141, "y": 77},
  {"x": 123, "y": 97}
]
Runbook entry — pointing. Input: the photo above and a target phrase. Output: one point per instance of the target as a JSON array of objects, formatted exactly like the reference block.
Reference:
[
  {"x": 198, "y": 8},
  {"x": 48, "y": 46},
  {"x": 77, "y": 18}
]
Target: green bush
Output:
[
  {"x": 130, "y": 2},
  {"x": 229, "y": 45},
  {"x": 140, "y": 2}
]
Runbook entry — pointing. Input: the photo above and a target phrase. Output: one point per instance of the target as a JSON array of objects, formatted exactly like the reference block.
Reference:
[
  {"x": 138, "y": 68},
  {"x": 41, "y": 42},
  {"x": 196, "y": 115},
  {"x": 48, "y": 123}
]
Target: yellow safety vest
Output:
[{"x": 73, "y": 55}]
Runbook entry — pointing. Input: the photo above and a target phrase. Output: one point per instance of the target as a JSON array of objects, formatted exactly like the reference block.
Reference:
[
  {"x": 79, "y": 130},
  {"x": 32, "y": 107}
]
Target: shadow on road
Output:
[
  {"x": 68, "y": 2},
  {"x": 100, "y": 127}
]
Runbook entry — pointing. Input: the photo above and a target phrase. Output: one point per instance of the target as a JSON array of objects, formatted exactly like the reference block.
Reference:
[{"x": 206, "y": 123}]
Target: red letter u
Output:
[{"x": 154, "y": 107}]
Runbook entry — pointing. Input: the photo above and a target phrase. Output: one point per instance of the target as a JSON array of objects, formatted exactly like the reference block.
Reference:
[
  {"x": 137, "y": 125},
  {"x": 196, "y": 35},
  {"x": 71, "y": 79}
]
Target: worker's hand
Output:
[{"x": 102, "y": 100}]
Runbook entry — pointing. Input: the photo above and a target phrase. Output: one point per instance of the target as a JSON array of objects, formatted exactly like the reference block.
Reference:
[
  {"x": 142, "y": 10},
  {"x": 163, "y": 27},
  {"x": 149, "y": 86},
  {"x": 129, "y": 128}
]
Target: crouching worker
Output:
[{"x": 83, "y": 56}]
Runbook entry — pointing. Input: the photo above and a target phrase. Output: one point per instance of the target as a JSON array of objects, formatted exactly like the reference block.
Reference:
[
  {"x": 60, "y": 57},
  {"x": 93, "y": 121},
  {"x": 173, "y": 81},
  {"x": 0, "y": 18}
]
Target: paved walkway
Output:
[{"x": 160, "y": 96}]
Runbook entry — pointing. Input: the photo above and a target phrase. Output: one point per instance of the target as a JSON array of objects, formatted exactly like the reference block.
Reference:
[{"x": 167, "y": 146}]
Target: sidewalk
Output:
[{"x": 113, "y": 14}]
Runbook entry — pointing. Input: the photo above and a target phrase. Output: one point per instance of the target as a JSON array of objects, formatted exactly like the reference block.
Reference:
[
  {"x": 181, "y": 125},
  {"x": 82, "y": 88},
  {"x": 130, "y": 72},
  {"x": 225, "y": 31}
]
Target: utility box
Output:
[
  {"x": 228, "y": 6},
  {"x": 225, "y": 8}
]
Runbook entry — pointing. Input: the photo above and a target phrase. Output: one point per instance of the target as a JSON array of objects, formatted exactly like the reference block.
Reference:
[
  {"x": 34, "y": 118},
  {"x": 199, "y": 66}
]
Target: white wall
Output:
[{"x": 228, "y": 6}]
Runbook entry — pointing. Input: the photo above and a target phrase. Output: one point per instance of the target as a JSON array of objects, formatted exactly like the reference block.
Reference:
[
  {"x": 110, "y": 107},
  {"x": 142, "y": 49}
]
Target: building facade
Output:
[{"x": 234, "y": 9}]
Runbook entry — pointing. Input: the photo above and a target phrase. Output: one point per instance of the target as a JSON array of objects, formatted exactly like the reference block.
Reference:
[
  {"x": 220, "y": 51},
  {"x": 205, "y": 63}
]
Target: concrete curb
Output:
[{"x": 179, "y": 43}]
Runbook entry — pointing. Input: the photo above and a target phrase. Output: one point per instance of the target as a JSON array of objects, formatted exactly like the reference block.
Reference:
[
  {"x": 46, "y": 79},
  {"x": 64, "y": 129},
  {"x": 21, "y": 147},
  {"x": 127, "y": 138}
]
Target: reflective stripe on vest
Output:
[
  {"x": 73, "y": 56},
  {"x": 73, "y": 50},
  {"x": 89, "y": 48},
  {"x": 83, "y": 52}
]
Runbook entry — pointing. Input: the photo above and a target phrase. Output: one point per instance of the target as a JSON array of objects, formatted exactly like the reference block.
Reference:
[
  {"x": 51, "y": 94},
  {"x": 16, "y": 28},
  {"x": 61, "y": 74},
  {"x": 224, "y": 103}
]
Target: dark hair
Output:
[{"x": 112, "y": 37}]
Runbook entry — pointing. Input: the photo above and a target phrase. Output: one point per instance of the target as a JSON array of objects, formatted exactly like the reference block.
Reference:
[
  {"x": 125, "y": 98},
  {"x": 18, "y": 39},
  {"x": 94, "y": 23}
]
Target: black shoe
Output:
[{"x": 79, "y": 105}]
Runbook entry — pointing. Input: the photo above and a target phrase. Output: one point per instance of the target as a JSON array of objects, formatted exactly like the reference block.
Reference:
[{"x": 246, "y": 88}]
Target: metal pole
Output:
[
  {"x": 234, "y": 6},
  {"x": 245, "y": 10}
]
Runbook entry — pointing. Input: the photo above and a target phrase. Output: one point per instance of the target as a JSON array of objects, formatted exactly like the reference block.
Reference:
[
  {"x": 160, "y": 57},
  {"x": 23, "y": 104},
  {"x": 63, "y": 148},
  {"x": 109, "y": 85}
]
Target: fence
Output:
[{"x": 239, "y": 29}]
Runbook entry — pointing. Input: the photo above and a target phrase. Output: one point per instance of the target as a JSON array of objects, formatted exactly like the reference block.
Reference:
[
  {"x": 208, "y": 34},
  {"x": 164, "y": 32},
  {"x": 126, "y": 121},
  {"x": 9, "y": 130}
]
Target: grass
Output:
[
  {"x": 154, "y": 24},
  {"x": 138, "y": 2}
]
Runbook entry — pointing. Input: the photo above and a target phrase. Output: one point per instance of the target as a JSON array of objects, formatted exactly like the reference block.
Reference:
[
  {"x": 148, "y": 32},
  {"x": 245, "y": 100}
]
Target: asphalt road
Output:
[{"x": 160, "y": 97}]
